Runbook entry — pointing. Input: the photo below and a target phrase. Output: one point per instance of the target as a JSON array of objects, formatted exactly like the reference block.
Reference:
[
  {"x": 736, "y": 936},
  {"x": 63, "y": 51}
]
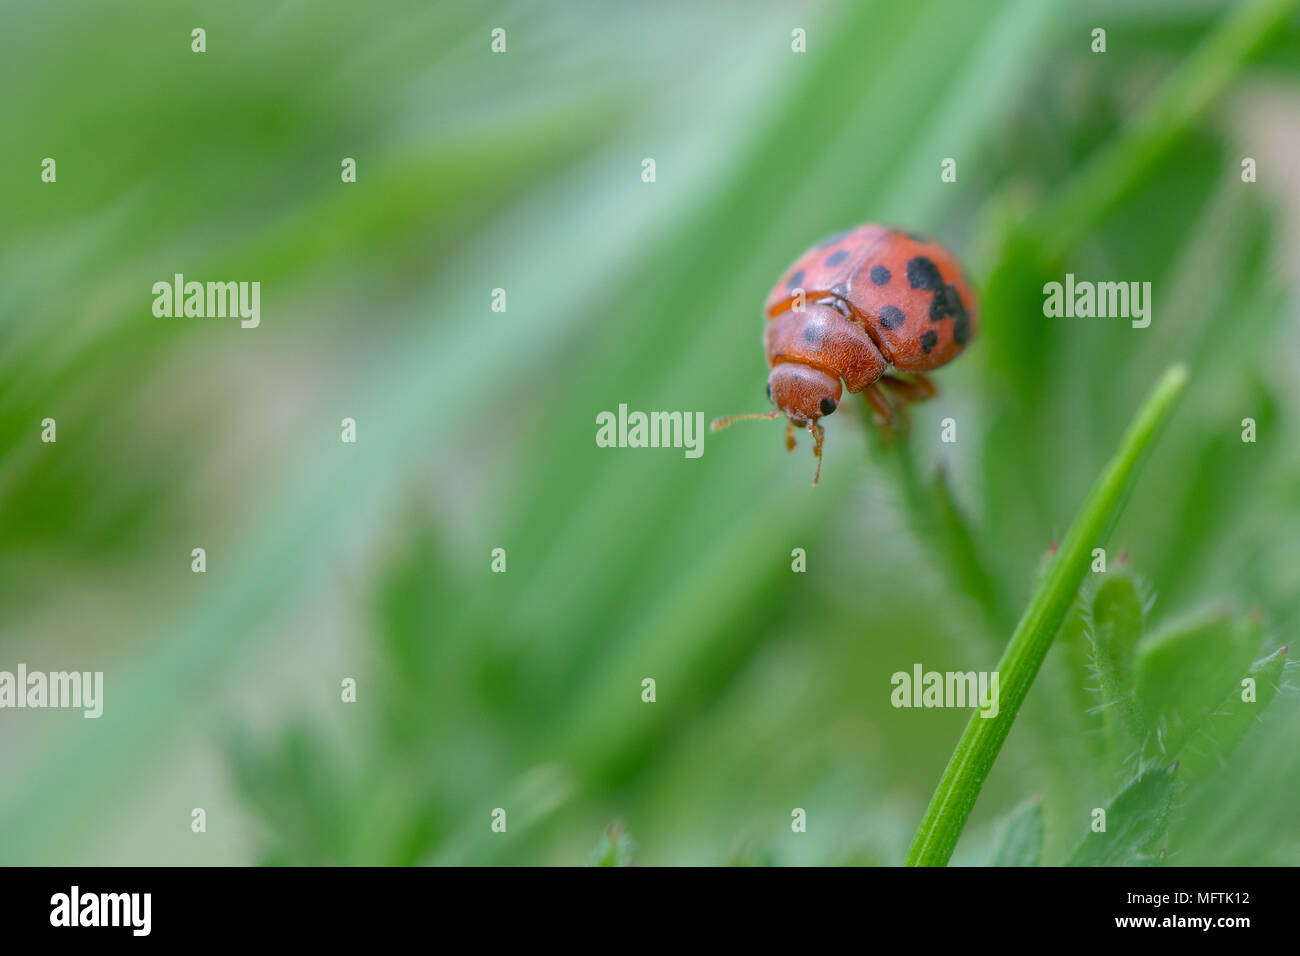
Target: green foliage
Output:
[
  {"x": 1185, "y": 672},
  {"x": 1222, "y": 729},
  {"x": 973, "y": 758},
  {"x": 1117, "y": 622},
  {"x": 1187, "y": 693},
  {"x": 1020, "y": 842},
  {"x": 1136, "y": 819}
]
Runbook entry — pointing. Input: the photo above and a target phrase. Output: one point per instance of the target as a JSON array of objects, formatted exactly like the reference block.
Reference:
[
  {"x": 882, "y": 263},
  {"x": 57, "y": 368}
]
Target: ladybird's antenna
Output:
[
  {"x": 819, "y": 434},
  {"x": 721, "y": 423}
]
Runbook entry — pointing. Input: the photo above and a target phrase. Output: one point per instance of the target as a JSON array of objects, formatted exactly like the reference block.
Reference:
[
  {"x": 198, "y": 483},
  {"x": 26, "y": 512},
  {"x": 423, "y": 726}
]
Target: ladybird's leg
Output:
[
  {"x": 919, "y": 381},
  {"x": 908, "y": 390},
  {"x": 926, "y": 385},
  {"x": 789, "y": 436},
  {"x": 882, "y": 414},
  {"x": 819, "y": 434}
]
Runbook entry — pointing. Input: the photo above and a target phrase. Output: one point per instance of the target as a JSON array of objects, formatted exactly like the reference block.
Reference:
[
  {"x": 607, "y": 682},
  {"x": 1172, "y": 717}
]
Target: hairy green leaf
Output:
[
  {"x": 1117, "y": 609},
  {"x": 1184, "y": 672},
  {"x": 1020, "y": 842},
  {"x": 1226, "y": 725},
  {"x": 1135, "y": 819}
]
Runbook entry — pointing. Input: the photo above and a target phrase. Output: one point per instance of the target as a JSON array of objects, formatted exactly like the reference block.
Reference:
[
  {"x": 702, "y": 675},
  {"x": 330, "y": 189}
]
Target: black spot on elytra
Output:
[
  {"x": 880, "y": 275},
  {"x": 922, "y": 273},
  {"x": 831, "y": 240},
  {"x": 813, "y": 333},
  {"x": 947, "y": 302},
  {"x": 794, "y": 280},
  {"x": 835, "y": 258},
  {"x": 891, "y": 317},
  {"x": 769, "y": 391},
  {"x": 961, "y": 328},
  {"x": 929, "y": 340}
]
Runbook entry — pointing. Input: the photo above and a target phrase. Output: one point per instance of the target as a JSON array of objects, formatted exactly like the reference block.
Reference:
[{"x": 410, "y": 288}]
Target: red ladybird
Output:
[{"x": 849, "y": 308}]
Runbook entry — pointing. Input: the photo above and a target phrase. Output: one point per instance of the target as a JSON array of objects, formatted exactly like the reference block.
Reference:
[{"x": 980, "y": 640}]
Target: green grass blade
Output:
[
  {"x": 943, "y": 527},
  {"x": 959, "y": 787}
]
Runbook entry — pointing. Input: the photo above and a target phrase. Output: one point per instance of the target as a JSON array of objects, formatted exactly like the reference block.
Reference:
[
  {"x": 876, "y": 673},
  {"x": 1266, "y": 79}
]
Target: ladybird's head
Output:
[{"x": 803, "y": 393}]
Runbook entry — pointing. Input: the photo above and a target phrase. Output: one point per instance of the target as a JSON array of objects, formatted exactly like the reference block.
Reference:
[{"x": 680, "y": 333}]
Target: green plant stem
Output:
[
  {"x": 937, "y": 519},
  {"x": 960, "y": 785}
]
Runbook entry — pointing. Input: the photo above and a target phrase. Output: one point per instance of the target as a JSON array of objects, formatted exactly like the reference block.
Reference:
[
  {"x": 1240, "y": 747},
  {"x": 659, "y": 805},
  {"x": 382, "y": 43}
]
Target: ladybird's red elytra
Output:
[{"x": 872, "y": 297}]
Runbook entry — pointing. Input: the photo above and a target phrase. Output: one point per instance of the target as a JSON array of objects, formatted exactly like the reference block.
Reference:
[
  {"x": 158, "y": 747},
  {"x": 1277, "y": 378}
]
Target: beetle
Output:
[{"x": 852, "y": 307}]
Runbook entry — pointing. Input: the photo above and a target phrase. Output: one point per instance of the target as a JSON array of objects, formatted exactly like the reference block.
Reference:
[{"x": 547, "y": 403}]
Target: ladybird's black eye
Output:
[
  {"x": 828, "y": 406},
  {"x": 769, "y": 391}
]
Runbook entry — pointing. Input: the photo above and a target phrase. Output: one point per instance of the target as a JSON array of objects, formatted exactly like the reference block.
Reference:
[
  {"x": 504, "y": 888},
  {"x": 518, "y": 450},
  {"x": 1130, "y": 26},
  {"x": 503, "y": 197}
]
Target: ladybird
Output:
[{"x": 848, "y": 309}]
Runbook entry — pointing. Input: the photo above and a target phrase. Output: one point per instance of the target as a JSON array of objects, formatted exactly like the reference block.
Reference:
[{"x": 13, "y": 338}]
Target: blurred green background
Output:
[{"x": 476, "y": 429}]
